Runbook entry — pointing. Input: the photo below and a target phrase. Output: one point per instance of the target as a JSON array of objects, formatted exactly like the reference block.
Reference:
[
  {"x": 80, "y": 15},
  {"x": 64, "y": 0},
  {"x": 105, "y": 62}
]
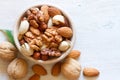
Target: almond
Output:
[
  {"x": 65, "y": 32},
  {"x": 90, "y": 72},
  {"x": 56, "y": 69},
  {"x": 53, "y": 11},
  {"x": 74, "y": 54},
  {"x": 44, "y": 9},
  {"x": 35, "y": 77},
  {"x": 39, "y": 70}
]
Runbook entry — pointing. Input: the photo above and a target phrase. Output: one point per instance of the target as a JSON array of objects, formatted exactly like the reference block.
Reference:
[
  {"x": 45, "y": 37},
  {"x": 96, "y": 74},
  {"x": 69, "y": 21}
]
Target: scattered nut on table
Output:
[
  {"x": 39, "y": 69},
  {"x": 18, "y": 68},
  {"x": 75, "y": 54},
  {"x": 71, "y": 69},
  {"x": 34, "y": 77},
  {"x": 7, "y": 51},
  {"x": 90, "y": 72},
  {"x": 56, "y": 69}
]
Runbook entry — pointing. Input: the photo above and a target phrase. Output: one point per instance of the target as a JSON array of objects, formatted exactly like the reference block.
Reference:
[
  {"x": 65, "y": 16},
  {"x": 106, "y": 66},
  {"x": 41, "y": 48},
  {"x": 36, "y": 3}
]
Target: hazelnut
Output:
[{"x": 36, "y": 55}]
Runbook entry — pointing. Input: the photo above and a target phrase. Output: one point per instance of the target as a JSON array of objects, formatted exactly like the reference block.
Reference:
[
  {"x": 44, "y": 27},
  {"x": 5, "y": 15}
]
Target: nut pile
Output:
[
  {"x": 70, "y": 68},
  {"x": 44, "y": 33}
]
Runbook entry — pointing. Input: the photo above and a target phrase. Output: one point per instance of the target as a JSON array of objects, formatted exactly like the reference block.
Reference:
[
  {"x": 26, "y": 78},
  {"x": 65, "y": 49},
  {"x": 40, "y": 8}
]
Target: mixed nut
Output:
[{"x": 44, "y": 33}]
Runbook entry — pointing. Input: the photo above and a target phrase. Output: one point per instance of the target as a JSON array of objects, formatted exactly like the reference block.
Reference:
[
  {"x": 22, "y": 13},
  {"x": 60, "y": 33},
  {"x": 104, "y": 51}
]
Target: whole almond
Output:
[
  {"x": 35, "y": 77},
  {"x": 74, "y": 54},
  {"x": 90, "y": 72},
  {"x": 44, "y": 9},
  {"x": 65, "y": 32},
  {"x": 53, "y": 11},
  {"x": 56, "y": 69},
  {"x": 39, "y": 70}
]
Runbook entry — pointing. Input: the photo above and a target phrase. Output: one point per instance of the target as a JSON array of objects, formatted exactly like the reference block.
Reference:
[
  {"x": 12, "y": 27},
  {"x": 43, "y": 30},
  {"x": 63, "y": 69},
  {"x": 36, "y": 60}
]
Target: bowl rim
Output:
[{"x": 15, "y": 35}]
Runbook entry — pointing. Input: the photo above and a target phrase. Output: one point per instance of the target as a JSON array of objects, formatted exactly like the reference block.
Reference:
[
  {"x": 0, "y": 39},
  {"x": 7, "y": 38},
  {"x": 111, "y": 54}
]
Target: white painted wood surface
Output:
[{"x": 97, "y": 25}]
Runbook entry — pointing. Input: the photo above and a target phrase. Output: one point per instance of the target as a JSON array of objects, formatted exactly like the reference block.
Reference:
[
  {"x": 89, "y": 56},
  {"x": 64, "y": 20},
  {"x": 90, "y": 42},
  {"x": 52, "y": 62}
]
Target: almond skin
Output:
[
  {"x": 65, "y": 32},
  {"x": 74, "y": 54},
  {"x": 39, "y": 70},
  {"x": 53, "y": 11},
  {"x": 56, "y": 69},
  {"x": 90, "y": 72},
  {"x": 44, "y": 9},
  {"x": 35, "y": 77}
]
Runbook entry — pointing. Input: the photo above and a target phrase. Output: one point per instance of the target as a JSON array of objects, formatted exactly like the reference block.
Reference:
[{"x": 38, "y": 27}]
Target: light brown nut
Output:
[
  {"x": 52, "y": 30},
  {"x": 18, "y": 68},
  {"x": 29, "y": 34},
  {"x": 27, "y": 39},
  {"x": 35, "y": 31},
  {"x": 44, "y": 9},
  {"x": 7, "y": 51},
  {"x": 38, "y": 42},
  {"x": 45, "y": 38},
  {"x": 65, "y": 32},
  {"x": 34, "y": 23},
  {"x": 74, "y": 54},
  {"x": 34, "y": 77},
  {"x": 35, "y": 47},
  {"x": 58, "y": 38},
  {"x": 71, "y": 69},
  {"x": 53, "y": 45},
  {"x": 40, "y": 16},
  {"x": 34, "y": 10},
  {"x": 53, "y": 11},
  {"x": 56, "y": 69},
  {"x": 39, "y": 70},
  {"x": 90, "y": 72},
  {"x": 36, "y": 55}
]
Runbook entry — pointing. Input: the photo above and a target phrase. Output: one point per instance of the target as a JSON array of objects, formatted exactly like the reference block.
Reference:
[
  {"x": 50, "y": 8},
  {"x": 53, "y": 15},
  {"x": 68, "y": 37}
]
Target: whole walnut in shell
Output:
[
  {"x": 71, "y": 69},
  {"x": 7, "y": 51},
  {"x": 17, "y": 68}
]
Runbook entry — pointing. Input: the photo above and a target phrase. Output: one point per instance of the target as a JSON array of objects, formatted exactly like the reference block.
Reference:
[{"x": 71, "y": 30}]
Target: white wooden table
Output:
[{"x": 97, "y": 25}]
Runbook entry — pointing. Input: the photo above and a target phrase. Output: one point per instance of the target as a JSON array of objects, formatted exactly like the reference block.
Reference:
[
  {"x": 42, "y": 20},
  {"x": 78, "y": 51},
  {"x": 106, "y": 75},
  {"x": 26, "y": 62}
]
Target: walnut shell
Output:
[
  {"x": 71, "y": 69},
  {"x": 17, "y": 68},
  {"x": 7, "y": 51}
]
